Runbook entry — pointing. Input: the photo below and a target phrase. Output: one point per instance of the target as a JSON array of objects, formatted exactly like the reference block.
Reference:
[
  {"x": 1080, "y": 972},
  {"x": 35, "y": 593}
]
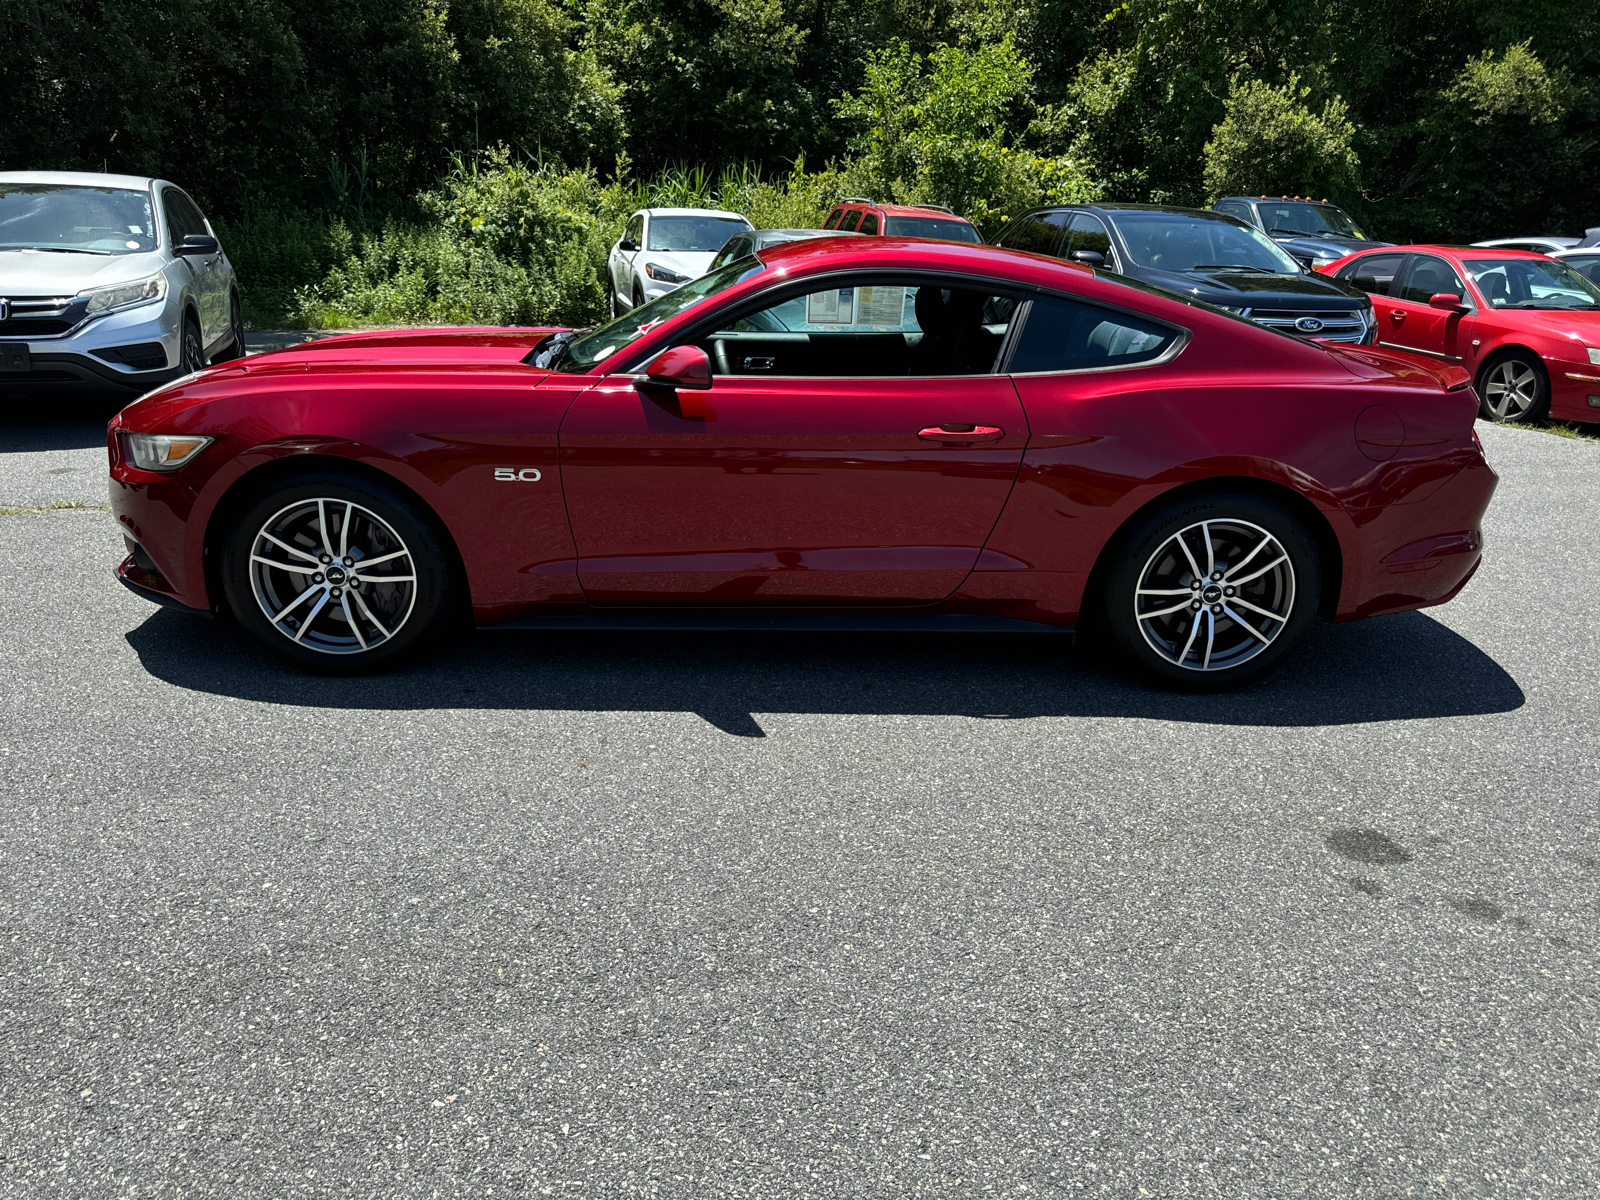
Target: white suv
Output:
[
  {"x": 664, "y": 247},
  {"x": 109, "y": 281}
]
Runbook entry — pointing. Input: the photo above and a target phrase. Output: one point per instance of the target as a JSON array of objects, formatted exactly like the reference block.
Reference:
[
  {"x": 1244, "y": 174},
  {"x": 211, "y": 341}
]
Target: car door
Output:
[
  {"x": 622, "y": 260},
  {"x": 1376, "y": 275},
  {"x": 855, "y": 447},
  {"x": 183, "y": 219},
  {"x": 1411, "y": 324},
  {"x": 1036, "y": 232}
]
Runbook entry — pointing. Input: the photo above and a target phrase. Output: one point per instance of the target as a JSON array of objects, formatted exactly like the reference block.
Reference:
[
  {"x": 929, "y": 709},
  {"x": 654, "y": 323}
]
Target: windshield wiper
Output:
[
  {"x": 62, "y": 250},
  {"x": 1231, "y": 267},
  {"x": 1296, "y": 232}
]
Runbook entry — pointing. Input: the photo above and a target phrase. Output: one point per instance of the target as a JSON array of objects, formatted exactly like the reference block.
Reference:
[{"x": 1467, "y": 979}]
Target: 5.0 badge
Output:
[{"x": 517, "y": 474}]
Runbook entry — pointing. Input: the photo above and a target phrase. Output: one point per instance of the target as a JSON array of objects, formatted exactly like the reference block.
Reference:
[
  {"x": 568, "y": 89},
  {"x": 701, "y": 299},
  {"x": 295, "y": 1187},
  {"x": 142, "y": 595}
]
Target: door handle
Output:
[
  {"x": 961, "y": 432},
  {"x": 1397, "y": 316}
]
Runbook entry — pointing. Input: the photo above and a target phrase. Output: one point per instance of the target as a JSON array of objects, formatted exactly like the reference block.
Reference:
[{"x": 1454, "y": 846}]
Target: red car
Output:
[
  {"x": 849, "y": 433},
  {"x": 1525, "y": 326},
  {"x": 860, "y": 215}
]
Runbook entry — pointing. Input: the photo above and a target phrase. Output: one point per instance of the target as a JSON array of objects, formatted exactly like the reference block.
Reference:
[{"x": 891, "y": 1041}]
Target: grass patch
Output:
[
  {"x": 53, "y": 506},
  {"x": 1574, "y": 430}
]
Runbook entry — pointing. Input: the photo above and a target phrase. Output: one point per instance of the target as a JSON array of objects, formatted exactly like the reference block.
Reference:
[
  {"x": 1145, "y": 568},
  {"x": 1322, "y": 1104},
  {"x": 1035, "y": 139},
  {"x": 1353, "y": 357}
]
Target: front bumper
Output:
[
  {"x": 120, "y": 351},
  {"x": 1574, "y": 391}
]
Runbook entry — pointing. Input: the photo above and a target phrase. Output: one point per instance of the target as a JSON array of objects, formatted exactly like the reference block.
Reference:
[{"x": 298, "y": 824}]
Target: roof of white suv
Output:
[
  {"x": 692, "y": 212},
  {"x": 78, "y": 179}
]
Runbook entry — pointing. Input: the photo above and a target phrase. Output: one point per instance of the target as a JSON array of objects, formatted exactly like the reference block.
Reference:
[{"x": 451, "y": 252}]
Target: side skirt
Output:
[{"x": 789, "y": 623}]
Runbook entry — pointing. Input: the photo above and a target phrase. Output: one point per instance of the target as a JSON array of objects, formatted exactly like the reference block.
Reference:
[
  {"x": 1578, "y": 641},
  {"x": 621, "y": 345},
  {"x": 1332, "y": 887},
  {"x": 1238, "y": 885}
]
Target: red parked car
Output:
[
  {"x": 846, "y": 433},
  {"x": 860, "y": 215},
  {"x": 1525, "y": 326}
]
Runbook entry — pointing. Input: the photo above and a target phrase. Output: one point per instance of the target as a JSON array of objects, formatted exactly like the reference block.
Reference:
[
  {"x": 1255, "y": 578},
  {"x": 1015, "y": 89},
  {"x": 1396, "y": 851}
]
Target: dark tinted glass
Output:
[
  {"x": 182, "y": 216},
  {"x": 1427, "y": 277},
  {"x": 1373, "y": 274},
  {"x": 833, "y": 219},
  {"x": 946, "y": 229},
  {"x": 1588, "y": 267},
  {"x": 869, "y": 223},
  {"x": 1035, "y": 232},
  {"x": 1089, "y": 233},
  {"x": 850, "y": 220},
  {"x": 1068, "y": 335}
]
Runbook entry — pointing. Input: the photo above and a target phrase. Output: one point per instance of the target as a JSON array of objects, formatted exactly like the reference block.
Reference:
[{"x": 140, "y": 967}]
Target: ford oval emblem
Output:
[{"x": 1308, "y": 325}]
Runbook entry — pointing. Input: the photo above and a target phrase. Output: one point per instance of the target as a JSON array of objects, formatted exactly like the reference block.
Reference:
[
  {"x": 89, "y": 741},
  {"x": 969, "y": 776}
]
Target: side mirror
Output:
[
  {"x": 680, "y": 367},
  {"x": 1448, "y": 301},
  {"x": 628, "y": 244},
  {"x": 1091, "y": 257},
  {"x": 197, "y": 244}
]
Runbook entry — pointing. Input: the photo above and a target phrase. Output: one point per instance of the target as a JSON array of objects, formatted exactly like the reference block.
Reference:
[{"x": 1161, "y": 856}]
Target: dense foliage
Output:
[{"x": 470, "y": 159}]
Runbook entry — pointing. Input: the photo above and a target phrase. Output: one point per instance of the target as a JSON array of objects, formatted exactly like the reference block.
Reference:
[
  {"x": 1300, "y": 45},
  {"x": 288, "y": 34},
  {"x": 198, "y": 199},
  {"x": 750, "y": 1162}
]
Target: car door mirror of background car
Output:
[
  {"x": 196, "y": 244},
  {"x": 628, "y": 244},
  {"x": 1448, "y": 301},
  {"x": 680, "y": 367},
  {"x": 1092, "y": 257}
]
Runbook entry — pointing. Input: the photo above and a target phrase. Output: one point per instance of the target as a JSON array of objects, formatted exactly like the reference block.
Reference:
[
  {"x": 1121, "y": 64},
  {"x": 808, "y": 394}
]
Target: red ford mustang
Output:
[
  {"x": 1525, "y": 326},
  {"x": 851, "y": 433}
]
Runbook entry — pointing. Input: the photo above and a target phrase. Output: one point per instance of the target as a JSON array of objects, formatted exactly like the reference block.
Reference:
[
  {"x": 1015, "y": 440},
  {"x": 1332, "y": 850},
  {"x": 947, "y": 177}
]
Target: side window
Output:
[
  {"x": 1588, "y": 267},
  {"x": 1373, "y": 274},
  {"x": 1234, "y": 209},
  {"x": 1088, "y": 232},
  {"x": 1068, "y": 335},
  {"x": 1036, "y": 232},
  {"x": 1427, "y": 277},
  {"x": 869, "y": 223},
  {"x": 635, "y": 230},
  {"x": 874, "y": 326},
  {"x": 850, "y": 220},
  {"x": 182, "y": 218},
  {"x": 833, "y": 219}
]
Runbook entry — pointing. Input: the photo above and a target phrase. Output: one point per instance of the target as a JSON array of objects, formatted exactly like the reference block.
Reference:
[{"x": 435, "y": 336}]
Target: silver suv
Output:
[{"x": 109, "y": 281}]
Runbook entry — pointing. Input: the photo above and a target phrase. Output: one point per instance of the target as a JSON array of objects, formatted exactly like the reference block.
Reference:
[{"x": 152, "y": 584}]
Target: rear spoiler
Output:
[{"x": 1386, "y": 358}]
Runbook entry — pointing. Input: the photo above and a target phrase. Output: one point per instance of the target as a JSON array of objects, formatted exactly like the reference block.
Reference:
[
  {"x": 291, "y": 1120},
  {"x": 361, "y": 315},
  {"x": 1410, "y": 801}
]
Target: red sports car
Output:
[
  {"x": 1526, "y": 327},
  {"x": 878, "y": 433}
]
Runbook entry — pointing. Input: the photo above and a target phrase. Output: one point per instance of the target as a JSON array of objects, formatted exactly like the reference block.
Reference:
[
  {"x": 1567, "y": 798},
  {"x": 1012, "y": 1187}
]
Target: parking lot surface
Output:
[{"x": 769, "y": 916}]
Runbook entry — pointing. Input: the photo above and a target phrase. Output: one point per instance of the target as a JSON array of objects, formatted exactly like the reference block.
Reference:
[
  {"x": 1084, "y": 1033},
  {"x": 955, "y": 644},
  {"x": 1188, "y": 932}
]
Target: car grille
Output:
[
  {"x": 1350, "y": 326},
  {"x": 42, "y": 316}
]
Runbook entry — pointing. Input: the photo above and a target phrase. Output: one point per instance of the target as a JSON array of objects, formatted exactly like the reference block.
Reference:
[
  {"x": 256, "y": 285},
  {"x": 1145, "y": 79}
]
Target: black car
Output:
[
  {"x": 1200, "y": 255},
  {"x": 1314, "y": 231}
]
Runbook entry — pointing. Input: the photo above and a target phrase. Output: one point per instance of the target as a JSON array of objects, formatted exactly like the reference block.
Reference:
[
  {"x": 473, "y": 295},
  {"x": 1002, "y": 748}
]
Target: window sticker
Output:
[
  {"x": 881, "y": 306},
  {"x": 831, "y": 308}
]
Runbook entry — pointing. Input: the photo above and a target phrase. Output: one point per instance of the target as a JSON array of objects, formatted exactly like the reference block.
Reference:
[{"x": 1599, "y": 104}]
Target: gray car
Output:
[{"x": 109, "y": 281}]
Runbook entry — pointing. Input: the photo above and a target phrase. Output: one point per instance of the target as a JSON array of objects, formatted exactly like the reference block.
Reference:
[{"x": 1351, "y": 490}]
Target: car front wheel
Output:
[
  {"x": 1514, "y": 387},
  {"x": 337, "y": 574},
  {"x": 1212, "y": 591}
]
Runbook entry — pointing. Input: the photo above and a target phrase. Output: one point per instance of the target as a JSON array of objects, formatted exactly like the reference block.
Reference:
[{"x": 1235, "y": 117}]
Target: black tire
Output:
[
  {"x": 1202, "y": 643},
  {"x": 336, "y": 627},
  {"x": 1513, "y": 386},
  {"x": 191, "y": 349},
  {"x": 638, "y": 295},
  {"x": 235, "y": 347}
]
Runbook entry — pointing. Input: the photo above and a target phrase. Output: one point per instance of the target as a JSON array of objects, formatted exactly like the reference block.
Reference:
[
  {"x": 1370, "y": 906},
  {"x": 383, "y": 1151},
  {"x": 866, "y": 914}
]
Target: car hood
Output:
[
  {"x": 685, "y": 262},
  {"x": 1578, "y": 327},
  {"x": 403, "y": 347},
  {"x": 1329, "y": 245},
  {"x": 36, "y": 273},
  {"x": 1233, "y": 289}
]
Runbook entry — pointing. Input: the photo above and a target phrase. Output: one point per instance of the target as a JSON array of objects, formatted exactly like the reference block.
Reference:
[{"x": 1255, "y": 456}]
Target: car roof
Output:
[
  {"x": 80, "y": 179},
  {"x": 1278, "y": 199},
  {"x": 1567, "y": 242},
  {"x": 692, "y": 212},
  {"x": 799, "y": 233},
  {"x": 1176, "y": 210},
  {"x": 1461, "y": 251},
  {"x": 904, "y": 210}
]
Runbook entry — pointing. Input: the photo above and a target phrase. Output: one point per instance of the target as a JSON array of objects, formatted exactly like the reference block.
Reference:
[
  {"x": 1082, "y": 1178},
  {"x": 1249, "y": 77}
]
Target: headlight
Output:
[
  {"x": 126, "y": 295},
  {"x": 662, "y": 275},
  {"x": 1594, "y": 355},
  {"x": 162, "y": 451}
]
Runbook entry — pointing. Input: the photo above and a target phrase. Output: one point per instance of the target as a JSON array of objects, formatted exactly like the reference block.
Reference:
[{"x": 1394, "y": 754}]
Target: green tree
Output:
[{"x": 1271, "y": 141}]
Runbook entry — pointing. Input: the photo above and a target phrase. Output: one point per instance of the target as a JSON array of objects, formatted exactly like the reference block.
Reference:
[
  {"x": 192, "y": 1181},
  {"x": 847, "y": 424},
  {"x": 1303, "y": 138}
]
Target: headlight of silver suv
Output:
[{"x": 126, "y": 295}]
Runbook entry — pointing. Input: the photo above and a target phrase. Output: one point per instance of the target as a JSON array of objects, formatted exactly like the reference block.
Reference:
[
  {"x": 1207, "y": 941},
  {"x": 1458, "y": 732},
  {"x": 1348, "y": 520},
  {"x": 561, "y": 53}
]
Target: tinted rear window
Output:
[
  {"x": 1067, "y": 335},
  {"x": 947, "y": 229}
]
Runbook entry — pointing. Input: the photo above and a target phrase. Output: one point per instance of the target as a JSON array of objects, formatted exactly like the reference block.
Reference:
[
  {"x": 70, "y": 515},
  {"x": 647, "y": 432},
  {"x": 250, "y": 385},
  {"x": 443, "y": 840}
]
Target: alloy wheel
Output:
[
  {"x": 1215, "y": 595},
  {"x": 333, "y": 576},
  {"x": 194, "y": 355},
  {"x": 1511, "y": 389}
]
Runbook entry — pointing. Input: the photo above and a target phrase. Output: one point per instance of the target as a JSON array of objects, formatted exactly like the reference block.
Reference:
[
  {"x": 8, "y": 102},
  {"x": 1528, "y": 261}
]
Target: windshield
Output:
[
  {"x": 579, "y": 350},
  {"x": 946, "y": 229},
  {"x": 1312, "y": 219},
  {"x": 89, "y": 220},
  {"x": 693, "y": 234},
  {"x": 1532, "y": 283},
  {"x": 1180, "y": 242}
]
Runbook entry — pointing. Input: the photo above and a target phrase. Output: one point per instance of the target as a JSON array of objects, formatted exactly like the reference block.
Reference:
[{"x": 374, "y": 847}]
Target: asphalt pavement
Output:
[{"x": 698, "y": 916}]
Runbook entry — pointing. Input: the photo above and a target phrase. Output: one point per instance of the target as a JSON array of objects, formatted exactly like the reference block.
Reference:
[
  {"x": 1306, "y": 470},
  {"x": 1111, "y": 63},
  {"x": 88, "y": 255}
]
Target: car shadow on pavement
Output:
[
  {"x": 1394, "y": 668},
  {"x": 33, "y": 420}
]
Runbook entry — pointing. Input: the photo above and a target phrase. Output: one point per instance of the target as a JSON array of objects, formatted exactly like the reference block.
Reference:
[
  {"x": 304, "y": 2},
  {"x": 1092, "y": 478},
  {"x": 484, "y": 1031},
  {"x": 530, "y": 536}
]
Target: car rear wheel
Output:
[
  {"x": 191, "y": 350},
  {"x": 1514, "y": 387},
  {"x": 337, "y": 574},
  {"x": 1212, "y": 591}
]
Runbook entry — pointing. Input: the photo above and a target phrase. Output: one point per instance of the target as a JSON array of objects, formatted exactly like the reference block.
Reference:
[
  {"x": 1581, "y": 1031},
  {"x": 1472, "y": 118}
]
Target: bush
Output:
[{"x": 1270, "y": 142}]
